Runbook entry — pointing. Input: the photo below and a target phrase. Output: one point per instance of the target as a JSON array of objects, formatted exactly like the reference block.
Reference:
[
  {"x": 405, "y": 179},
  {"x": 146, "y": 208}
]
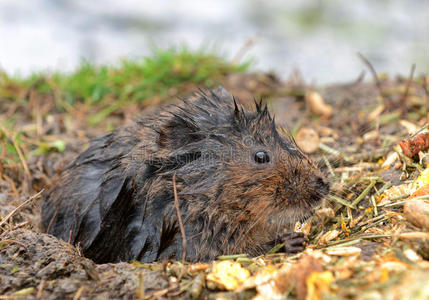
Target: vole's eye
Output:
[{"x": 262, "y": 157}]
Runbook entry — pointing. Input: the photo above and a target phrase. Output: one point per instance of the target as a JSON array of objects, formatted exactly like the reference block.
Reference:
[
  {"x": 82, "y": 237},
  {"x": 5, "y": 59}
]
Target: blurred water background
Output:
[{"x": 320, "y": 38}]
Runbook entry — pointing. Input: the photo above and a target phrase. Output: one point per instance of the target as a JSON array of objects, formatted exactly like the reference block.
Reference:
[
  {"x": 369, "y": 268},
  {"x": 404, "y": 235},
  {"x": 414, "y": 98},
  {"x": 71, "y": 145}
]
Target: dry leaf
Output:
[
  {"x": 262, "y": 276},
  {"x": 423, "y": 179},
  {"x": 414, "y": 235},
  {"x": 227, "y": 275},
  {"x": 198, "y": 267},
  {"x": 305, "y": 267},
  {"x": 308, "y": 140},
  {"x": 318, "y": 284},
  {"x": 394, "y": 266},
  {"x": 329, "y": 236},
  {"x": 325, "y": 213},
  {"x": 371, "y": 135},
  {"x": 390, "y": 160},
  {"x": 318, "y": 105},
  {"x": 375, "y": 113},
  {"x": 271, "y": 283},
  {"x": 417, "y": 210},
  {"x": 412, "y": 255},
  {"x": 304, "y": 227},
  {"x": 395, "y": 191},
  {"x": 410, "y": 127},
  {"x": 326, "y": 131}
]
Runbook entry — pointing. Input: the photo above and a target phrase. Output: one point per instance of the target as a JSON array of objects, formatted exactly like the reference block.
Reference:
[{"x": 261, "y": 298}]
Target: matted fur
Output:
[{"x": 116, "y": 199}]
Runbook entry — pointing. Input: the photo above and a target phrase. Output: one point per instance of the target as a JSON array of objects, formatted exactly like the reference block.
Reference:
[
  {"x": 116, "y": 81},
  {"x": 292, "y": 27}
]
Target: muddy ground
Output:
[{"x": 365, "y": 123}]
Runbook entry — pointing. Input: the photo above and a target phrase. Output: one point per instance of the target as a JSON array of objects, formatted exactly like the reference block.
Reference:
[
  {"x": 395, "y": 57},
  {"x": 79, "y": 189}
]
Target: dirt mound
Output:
[{"x": 29, "y": 259}]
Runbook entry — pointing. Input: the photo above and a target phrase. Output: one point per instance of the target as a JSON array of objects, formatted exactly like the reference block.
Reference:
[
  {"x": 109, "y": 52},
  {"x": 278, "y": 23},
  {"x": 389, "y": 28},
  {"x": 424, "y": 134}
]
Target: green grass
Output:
[
  {"x": 130, "y": 80},
  {"x": 104, "y": 89}
]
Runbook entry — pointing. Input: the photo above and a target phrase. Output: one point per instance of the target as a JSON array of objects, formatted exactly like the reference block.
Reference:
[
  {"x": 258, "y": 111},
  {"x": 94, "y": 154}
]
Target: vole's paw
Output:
[{"x": 294, "y": 242}]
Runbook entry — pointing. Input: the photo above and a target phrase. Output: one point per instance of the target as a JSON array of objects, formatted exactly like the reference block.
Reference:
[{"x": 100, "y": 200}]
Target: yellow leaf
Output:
[
  {"x": 384, "y": 275},
  {"x": 228, "y": 275},
  {"x": 318, "y": 284},
  {"x": 423, "y": 179}
]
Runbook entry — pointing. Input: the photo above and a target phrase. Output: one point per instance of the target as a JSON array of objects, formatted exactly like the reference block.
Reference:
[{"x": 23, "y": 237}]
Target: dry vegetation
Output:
[{"x": 370, "y": 239}]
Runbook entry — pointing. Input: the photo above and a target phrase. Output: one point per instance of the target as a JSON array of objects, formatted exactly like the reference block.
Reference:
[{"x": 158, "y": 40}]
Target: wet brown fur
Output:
[{"x": 116, "y": 199}]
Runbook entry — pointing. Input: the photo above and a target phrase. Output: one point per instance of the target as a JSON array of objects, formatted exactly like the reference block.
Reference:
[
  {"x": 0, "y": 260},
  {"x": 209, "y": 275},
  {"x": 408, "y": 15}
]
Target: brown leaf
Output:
[
  {"x": 417, "y": 212},
  {"x": 317, "y": 105},
  {"x": 308, "y": 140},
  {"x": 306, "y": 265}
]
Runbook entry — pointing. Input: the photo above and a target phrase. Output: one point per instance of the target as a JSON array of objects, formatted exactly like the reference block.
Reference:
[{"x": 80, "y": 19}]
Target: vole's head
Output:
[{"x": 237, "y": 163}]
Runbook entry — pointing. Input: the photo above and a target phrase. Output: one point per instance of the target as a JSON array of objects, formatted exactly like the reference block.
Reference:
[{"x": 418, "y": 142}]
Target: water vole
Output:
[{"x": 240, "y": 182}]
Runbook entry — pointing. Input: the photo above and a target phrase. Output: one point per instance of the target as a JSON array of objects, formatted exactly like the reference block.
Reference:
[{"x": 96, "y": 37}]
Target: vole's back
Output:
[
  {"x": 102, "y": 201},
  {"x": 93, "y": 195}
]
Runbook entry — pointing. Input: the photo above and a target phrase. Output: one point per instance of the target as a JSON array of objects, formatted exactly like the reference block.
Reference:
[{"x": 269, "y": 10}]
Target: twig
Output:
[
  {"x": 182, "y": 288},
  {"x": 374, "y": 205},
  {"x": 328, "y": 165},
  {"x": 342, "y": 243},
  {"x": 275, "y": 249},
  {"x": 363, "y": 166},
  {"x": 70, "y": 236},
  {"x": 51, "y": 221},
  {"x": 425, "y": 85},
  {"x": 140, "y": 293},
  {"x": 394, "y": 204},
  {"x": 423, "y": 128},
  {"x": 242, "y": 51},
  {"x": 399, "y": 203},
  {"x": 373, "y": 72},
  {"x": 78, "y": 293},
  {"x": 179, "y": 218},
  {"x": 8, "y": 297},
  {"x": 414, "y": 235},
  {"x": 400, "y": 197},
  {"x": 40, "y": 289},
  {"x": 361, "y": 237},
  {"x": 21, "y": 157},
  {"x": 232, "y": 256},
  {"x": 355, "y": 158},
  {"x": 364, "y": 193},
  {"x": 337, "y": 156},
  {"x": 329, "y": 150},
  {"x": 21, "y": 225},
  {"x": 403, "y": 100},
  {"x": 13, "y": 212},
  {"x": 374, "y": 224},
  {"x": 12, "y": 184},
  {"x": 14, "y": 228},
  {"x": 6, "y": 242},
  {"x": 386, "y": 186},
  {"x": 360, "y": 78},
  {"x": 197, "y": 286},
  {"x": 161, "y": 293},
  {"x": 363, "y": 223},
  {"x": 341, "y": 201}
]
